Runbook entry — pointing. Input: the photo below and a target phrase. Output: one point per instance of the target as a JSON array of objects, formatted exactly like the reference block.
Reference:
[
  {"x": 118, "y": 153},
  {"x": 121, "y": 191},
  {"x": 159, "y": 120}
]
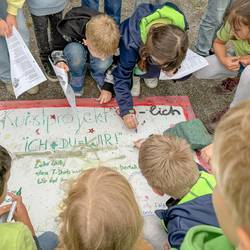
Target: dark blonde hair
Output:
[
  {"x": 100, "y": 213},
  {"x": 5, "y": 165},
  {"x": 103, "y": 33},
  {"x": 231, "y": 161},
  {"x": 168, "y": 165},
  {"x": 167, "y": 43},
  {"x": 238, "y": 13}
]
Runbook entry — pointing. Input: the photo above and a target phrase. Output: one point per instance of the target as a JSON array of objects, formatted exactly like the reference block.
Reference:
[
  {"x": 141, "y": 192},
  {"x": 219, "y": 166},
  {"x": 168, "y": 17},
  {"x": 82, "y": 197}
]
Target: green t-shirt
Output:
[
  {"x": 206, "y": 238},
  {"x": 16, "y": 236},
  {"x": 241, "y": 47}
]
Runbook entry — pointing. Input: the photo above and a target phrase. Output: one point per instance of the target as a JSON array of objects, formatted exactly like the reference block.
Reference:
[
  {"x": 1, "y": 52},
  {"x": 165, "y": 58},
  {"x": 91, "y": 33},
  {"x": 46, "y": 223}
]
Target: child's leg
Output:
[
  {"x": 41, "y": 32},
  {"x": 4, "y": 55},
  {"x": 138, "y": 2},
  {"x": 93, "y": 4},
  {"x": 76, "y": 56},
  {"x": 243, "y": 89},
  {"x": 214, "y": 70},
  {"x": 98, "y": 69},
  {"x": 211, "y": 22},
  {"x": 113, "y": 8},
  {"x": 48, "y": 241},
  {"x": 56, "y": 37}
]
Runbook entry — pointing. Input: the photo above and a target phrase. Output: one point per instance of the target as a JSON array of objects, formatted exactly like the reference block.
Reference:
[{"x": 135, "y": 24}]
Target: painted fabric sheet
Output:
[{"x": 51, "y": 144}]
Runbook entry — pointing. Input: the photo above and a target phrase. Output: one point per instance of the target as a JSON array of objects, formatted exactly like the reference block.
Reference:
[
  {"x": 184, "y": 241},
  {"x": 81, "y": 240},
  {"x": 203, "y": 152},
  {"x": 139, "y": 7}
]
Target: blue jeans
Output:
[
  {"x": 4, "y": 54},
  {"x": 47, "y": 241},
  {"x": 210, "y": 24},
  {"x": 138, "y": 2},
  {"x": 111, "y": 7},
  {"x": 76, "y": 55}
]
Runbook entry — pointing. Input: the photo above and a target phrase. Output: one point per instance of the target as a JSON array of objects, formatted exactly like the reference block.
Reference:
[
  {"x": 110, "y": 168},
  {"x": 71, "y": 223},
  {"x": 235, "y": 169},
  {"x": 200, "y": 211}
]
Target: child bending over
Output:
[
  {"x": 19, "y": 235},
  {"x": 167, "y": 163},
  {"x": 100, "y": 213}
]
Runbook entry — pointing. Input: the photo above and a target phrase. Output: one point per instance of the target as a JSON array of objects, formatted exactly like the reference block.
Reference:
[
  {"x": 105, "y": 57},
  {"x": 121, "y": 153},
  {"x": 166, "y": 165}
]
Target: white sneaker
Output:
[
  {"x": 151, "y": 82},
  {"x": 136, "y": 89},
  {"x": 79, "y": 93},
  {"x": 33, "y": 91}
]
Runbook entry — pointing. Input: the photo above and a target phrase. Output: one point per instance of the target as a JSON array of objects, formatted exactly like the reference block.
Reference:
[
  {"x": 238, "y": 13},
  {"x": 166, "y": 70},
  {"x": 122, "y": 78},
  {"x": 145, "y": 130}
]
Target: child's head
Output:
[
  {"x": 100, "y": 212},
  {"x": 231, "y": 163},
  {"x": 102, "y": 36},
  {"x": 166, "y": 46},
  {"x": 168, "y": 165},
  {"x": 238, "y": 17},
  {"x": 5, "y": 164}
]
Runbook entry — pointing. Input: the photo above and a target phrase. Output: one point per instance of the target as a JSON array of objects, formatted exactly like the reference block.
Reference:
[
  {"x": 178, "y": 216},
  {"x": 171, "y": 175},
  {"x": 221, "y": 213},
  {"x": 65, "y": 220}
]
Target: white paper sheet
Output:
[
  {"x": 191, "y": 63},
  {"x": 64, "y": 82},
  {"x": 25, "y": 72}
]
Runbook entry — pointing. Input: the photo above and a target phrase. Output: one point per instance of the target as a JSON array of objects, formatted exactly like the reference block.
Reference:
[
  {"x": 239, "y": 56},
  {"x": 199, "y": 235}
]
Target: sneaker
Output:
[
  {"x": 79, "y": 93},
  {"x": 49, "y": 71},
  {"x": 229, "y": 84},
  {"x": 10, "y": 89},
  {"x": 136, "y": 89},
  {"x": 151, "y": 82},
  {"x": 33, "y": 91}
]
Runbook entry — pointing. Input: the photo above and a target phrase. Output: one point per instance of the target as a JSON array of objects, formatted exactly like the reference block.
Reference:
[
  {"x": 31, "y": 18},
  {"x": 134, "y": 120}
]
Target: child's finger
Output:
[{"x": 4, "y": 209}]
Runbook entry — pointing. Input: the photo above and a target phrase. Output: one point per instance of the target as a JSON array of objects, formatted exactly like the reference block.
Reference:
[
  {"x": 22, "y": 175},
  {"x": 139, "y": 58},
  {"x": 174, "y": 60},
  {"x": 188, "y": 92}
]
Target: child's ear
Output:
[
  {"x": 157, "y": 192},
  {"x": 244, "y": 239}
]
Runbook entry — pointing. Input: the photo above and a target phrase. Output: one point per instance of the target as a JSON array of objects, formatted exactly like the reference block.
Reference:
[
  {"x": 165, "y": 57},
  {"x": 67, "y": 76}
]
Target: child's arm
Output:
[
  {"x": 232, "y": 63},
  {"x": 21, "y": 213}
]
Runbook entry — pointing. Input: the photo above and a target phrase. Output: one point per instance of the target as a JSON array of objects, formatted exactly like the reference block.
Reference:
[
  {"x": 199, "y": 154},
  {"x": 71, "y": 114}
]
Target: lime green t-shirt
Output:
[
  {"x": 16, "y": 236},
  {"x": 206, "y": 238},
  {"x": 241, "y": 47}
]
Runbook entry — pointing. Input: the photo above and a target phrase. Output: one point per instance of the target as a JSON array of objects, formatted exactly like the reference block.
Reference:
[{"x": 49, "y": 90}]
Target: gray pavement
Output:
[{"x": 203, "y": 95}]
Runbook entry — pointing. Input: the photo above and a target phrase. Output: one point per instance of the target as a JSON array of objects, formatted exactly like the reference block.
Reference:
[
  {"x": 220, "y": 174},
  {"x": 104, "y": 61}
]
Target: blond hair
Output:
[
  {"x": 100, "y": 213},
  {"x": 168, "y": 165},
  {"x": 103, "y": 33},
  {"x": 231, "y": 160}
]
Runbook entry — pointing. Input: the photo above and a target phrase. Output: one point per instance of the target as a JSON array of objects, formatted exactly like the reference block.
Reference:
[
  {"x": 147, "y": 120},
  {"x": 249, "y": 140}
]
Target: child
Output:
[
  {"x": 44, "y": 14},
  {"x": 21, "y": 234},
  {"x": 236, "y": 29},
  {"x": 138, "y": 2},
  {"x": 11, "y": 14},
  {"x": 168, "y": 165},
  {"x": 89, "y": 34},
  {"x": 231, "y": 196},
  {"x": 111, "y": 7},
  {"x": 210, "y": 24},
  {"x": 100, "y": 212},
  {"x": 152, "y": 39}
]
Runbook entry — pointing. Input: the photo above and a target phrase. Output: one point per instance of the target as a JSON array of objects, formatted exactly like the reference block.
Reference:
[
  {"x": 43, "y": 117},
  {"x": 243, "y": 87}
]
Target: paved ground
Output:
[{"x": 203, "y": 95}]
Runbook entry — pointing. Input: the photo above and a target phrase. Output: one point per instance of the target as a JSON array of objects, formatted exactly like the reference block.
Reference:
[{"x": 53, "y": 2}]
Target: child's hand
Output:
[
  {"x": 206, "y": 153},
  {"x": 245, "y": 60},
  {"x": 4, "y": 29},
  {"x": 104, "y": 97},
  {"x": 4, "y": 209},
  {"x": 63, "y": 66},
  {"x": 130, "y": 120},
  {"x": 21, "y": 213},
  {"x": 11, "y": 21},
  {"x": 139, "y": 142},
  {"x": 232, "y": 63}
]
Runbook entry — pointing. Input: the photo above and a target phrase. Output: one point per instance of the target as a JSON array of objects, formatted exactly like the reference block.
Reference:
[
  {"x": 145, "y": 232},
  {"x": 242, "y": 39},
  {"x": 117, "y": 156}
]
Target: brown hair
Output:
[
  {"x": 100, "y": 213},
  {"x": 231, "y": 160},
  {"x": 238, "y": 13},
  {"x": 5, "y": 165},
  {"x": 168, "y": 165},
  {"x": 103, "y": 33},
  {"x": 167, "y": 43}
]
